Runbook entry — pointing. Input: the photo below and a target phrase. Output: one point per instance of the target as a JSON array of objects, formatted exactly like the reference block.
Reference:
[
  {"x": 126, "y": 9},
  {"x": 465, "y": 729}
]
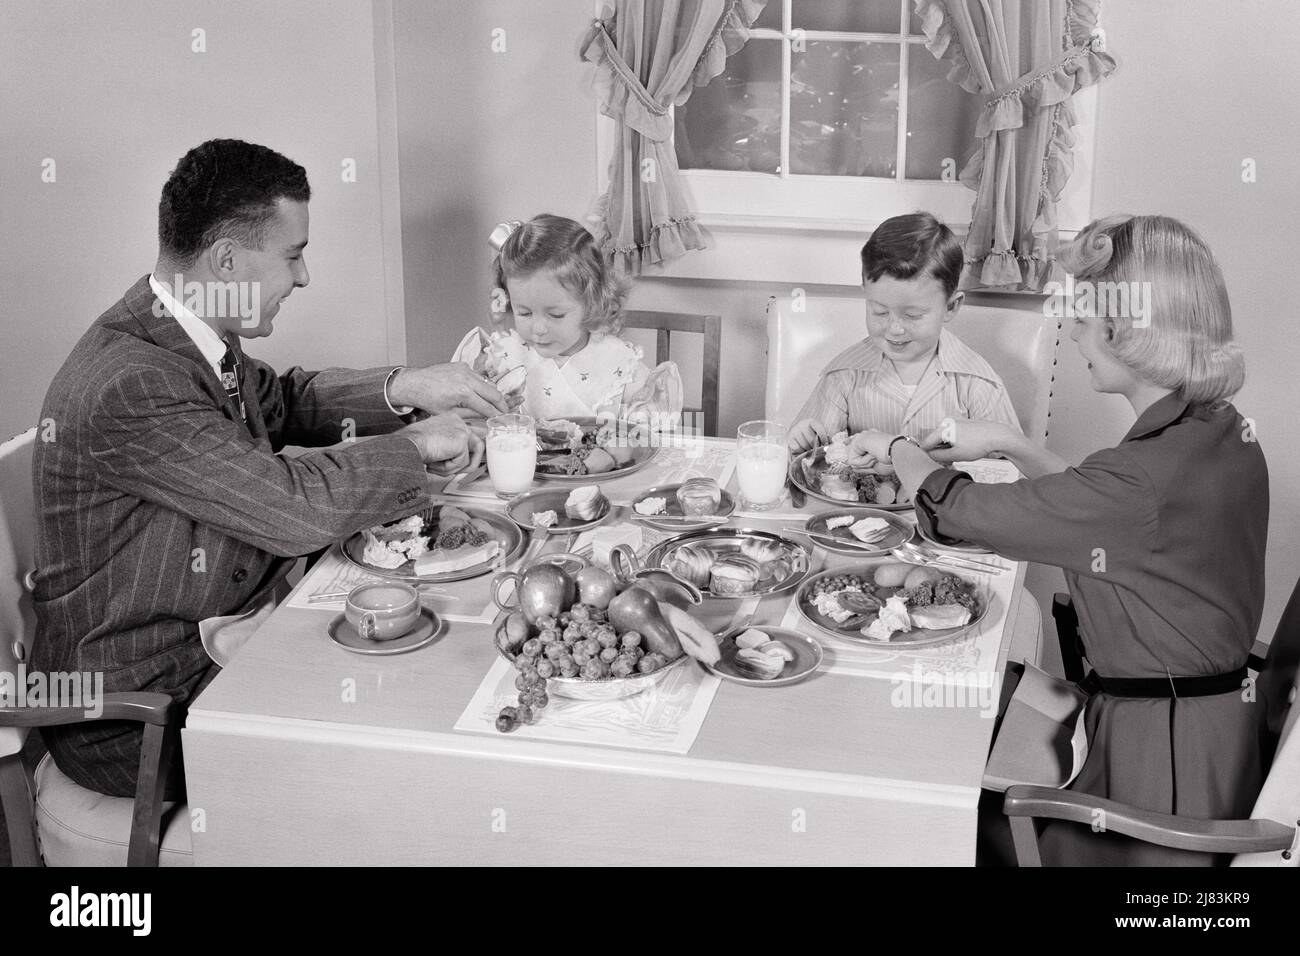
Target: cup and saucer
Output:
[{"x": 384, "y": 617}]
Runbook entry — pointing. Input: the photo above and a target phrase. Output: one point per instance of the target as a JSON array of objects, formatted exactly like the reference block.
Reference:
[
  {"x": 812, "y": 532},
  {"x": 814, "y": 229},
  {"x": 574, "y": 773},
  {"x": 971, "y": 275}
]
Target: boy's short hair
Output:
[
  {"x": 1184, "y": 342},
  {"x": 917, "y": 244}
]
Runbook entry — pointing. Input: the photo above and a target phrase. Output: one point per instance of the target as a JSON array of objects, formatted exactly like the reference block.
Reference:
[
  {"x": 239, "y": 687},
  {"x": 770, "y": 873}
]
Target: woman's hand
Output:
[
  {"x": 805, "y": 434},
  {"x": 967, "y": 440},
  {"x": 868, "y": 446}
]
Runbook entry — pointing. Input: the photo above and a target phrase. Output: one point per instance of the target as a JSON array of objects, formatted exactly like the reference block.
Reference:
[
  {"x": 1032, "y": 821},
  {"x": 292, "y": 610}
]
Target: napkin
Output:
[{"x": 222, "y": 637}]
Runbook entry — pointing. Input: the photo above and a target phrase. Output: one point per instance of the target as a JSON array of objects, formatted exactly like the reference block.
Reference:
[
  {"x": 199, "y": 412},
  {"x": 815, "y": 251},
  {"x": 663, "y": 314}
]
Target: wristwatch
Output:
[{"x": 907, "y": 438}]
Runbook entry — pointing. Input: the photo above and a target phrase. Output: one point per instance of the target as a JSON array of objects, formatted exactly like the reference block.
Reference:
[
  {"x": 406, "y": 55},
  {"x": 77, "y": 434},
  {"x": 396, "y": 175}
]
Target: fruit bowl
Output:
[{"x": 600, "y": 688}]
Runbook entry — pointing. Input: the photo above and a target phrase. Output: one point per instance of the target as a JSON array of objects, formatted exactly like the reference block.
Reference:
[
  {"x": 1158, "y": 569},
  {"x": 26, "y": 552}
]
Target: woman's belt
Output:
[{"x": 1207, "y": 686}]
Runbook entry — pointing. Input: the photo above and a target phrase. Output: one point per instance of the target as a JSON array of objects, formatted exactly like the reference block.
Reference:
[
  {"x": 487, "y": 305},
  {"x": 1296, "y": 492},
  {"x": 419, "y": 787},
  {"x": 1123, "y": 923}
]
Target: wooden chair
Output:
[
  {"x": 709, "y": 326},
  {"x": 19, "y": 792},
  {"x": 1269, "y": 838}
]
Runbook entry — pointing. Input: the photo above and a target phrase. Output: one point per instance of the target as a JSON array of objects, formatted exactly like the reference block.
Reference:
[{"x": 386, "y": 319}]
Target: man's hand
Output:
[
  {"x": 447, "y": 445},
  {"x": 453, "y": 387},
  {"x": 966, "y": 440},
  {"x": 806, "y": 434}
]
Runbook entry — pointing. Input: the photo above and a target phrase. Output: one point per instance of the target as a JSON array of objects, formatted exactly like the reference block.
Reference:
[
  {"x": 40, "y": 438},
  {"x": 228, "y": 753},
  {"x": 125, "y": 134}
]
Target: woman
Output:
[{"x": 1161, "y": 538}]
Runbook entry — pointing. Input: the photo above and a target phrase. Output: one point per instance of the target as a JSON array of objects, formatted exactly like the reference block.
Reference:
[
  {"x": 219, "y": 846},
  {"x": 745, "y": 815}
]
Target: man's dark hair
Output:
[
  {"x": 912, "y": 245},
  {"x": 224, "y": 188}
]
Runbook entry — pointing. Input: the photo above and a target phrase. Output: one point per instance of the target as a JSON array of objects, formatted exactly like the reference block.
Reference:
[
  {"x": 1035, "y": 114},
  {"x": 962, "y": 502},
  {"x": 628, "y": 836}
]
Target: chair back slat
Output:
[{"x": 708, "y": 326}]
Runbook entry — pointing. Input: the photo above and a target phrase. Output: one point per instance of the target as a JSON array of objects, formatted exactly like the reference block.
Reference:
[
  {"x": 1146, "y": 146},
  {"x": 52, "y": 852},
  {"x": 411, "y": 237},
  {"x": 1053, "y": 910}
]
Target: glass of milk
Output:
[
  {"x": 762, "y": 461},
  {"x": 511, "y": 453}
]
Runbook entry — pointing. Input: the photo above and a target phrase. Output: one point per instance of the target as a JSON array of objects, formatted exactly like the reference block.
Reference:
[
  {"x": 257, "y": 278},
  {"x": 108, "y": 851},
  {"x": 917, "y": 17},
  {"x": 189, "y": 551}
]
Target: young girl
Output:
[
  {"x": 563, "y": 358},
  {"x": 909, "y": 373}
]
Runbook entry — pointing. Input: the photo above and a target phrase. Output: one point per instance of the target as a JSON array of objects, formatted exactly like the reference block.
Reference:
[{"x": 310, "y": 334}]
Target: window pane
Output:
[
  {"x": 844, "y": 109},
  {"x": 770, "y": 18},
  {"x": 941, "y": 118},
  {"x": 846, "y": 16},
  {"x": 735, "y": 121}
]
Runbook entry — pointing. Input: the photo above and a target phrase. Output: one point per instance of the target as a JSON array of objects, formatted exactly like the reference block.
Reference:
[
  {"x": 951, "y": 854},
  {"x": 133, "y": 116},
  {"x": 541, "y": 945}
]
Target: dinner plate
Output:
[
  {"x": 506, "y": 531},
  {"x": 720, "y": 541},
  {"x": 522, "y": 509},
  {"x": 726, "y": 506},
  {"x": 970, "y": 547},
  {"x": 426, "y": 631},
  {"x": 806, "y": 471},
  {"x": 899, "y": 532},
  {"x": 807, "y": 658},
  {"x": 641, "y": 456},
  {"x": 917, "y": 637}
]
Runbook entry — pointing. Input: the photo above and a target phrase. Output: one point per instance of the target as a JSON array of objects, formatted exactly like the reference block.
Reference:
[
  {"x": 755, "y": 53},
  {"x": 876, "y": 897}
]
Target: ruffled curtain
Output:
[
  {"x": 649, "y": 55},
  {"x": 1028, "y": 58}
]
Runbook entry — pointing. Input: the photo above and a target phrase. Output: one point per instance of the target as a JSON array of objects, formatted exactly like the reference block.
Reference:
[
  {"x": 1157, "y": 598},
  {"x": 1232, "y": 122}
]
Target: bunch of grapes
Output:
[{"x": 579, "y": 643}]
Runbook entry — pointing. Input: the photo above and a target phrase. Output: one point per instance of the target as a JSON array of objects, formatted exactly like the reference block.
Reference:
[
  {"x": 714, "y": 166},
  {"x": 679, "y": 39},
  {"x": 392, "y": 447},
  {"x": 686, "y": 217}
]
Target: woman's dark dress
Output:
[{"x": 1162, "y": 541}]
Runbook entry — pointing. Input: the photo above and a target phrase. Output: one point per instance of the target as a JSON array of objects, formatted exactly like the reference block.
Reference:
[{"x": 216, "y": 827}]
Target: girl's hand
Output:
[
  {"x": 967, "y": 440},
  {"x": 806, "y": 434},
  {"x": 868, "y": 446}
]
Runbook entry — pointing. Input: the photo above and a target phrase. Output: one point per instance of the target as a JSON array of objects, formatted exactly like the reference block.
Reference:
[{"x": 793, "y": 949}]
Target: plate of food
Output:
[
  {"x": 763, "y": 656},
  {"x": 858, "y": 532},
  {"x": 733, "y": 563},
  {"x": 562, "y": 511},
  {"x": 676, "y": 505},
  {"x": 574, "y": 450},
  {"x": 442, "y": 543},
  {"x": 825, "y": 474},
  {"x": 894, "y": 604}
]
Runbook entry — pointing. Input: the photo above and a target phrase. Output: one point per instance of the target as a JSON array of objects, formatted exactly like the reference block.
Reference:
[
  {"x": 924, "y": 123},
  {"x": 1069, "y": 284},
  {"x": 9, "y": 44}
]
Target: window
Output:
[
  {"x": 848, "y": 90},
  {"x": 832, "y": 118},
  {"x": 834, "y": 113}
]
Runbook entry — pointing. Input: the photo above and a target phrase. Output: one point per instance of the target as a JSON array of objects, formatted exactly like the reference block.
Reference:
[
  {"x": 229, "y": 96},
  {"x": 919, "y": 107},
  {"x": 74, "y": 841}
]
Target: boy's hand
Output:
[
  {"x": 868, "y": 446},
  {"x": 967, "y": 440},
  {"x": 806, "y": 434}
]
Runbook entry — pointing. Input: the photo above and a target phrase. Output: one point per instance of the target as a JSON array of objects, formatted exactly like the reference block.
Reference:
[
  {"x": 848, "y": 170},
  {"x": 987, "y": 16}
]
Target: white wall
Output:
[
  {"x": 114, "y": 95},
  {"x": 484, "y": 136},
  {"x": 1175, "y": 126}
]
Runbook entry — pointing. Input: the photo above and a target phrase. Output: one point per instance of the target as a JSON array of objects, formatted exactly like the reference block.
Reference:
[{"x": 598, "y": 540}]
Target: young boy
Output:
[{"x": 909, "y": 373}]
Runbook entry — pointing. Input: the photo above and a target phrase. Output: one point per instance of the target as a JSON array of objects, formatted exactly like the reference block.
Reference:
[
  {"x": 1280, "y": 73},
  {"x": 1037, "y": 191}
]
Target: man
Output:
[{"x": 161, "y": 498}]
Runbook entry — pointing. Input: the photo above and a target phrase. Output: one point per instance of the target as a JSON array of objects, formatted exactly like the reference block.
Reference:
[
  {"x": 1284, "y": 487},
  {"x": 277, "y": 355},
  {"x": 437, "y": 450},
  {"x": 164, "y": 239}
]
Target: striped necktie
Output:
[{"x": 230, "y": 380}]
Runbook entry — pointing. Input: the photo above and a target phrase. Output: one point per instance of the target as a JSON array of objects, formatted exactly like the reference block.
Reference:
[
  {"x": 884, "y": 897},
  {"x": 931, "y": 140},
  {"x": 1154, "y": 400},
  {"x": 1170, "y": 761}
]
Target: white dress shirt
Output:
[{"x": 210, "y": 345}]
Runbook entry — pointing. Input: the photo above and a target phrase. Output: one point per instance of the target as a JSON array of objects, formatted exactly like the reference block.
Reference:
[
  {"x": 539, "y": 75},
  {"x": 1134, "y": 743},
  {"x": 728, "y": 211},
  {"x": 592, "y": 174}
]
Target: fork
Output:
[{"x": 908, "y": 551}]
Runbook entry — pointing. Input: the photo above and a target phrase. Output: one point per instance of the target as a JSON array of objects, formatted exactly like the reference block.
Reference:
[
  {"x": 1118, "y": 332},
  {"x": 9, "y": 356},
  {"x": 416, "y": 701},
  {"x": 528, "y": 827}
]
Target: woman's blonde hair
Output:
[
  {"x": 1184, "y": 342},
  {"x": 548, "y": 243}
]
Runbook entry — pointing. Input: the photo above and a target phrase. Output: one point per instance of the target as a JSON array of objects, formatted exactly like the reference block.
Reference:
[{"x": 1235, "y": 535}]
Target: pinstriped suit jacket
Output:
[{"x": 158, "y": 507}]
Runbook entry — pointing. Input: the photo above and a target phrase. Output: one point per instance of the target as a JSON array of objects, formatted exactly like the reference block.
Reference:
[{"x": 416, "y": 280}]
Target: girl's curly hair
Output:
[{"x": 567, "y": 249}]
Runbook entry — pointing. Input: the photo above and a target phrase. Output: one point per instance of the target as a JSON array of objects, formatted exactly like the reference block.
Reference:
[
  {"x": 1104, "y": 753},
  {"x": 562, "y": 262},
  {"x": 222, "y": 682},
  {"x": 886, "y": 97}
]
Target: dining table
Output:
[{"x": 302, "y": 752}]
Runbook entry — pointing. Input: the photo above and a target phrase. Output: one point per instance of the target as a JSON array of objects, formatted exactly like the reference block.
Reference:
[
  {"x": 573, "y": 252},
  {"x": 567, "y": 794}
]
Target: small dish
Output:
[
  {"x": 807, "y": 658},
  {"x": 522, "y": 509},
  {"x": 426, "y": 631},
  {"x": 675, "y": 519},
  {"x": 817, "y": 524}
]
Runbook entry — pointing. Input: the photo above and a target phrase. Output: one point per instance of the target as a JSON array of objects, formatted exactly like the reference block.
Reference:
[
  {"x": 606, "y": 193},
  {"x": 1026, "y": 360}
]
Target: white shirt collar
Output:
[{"x": 210, "y": 345}]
